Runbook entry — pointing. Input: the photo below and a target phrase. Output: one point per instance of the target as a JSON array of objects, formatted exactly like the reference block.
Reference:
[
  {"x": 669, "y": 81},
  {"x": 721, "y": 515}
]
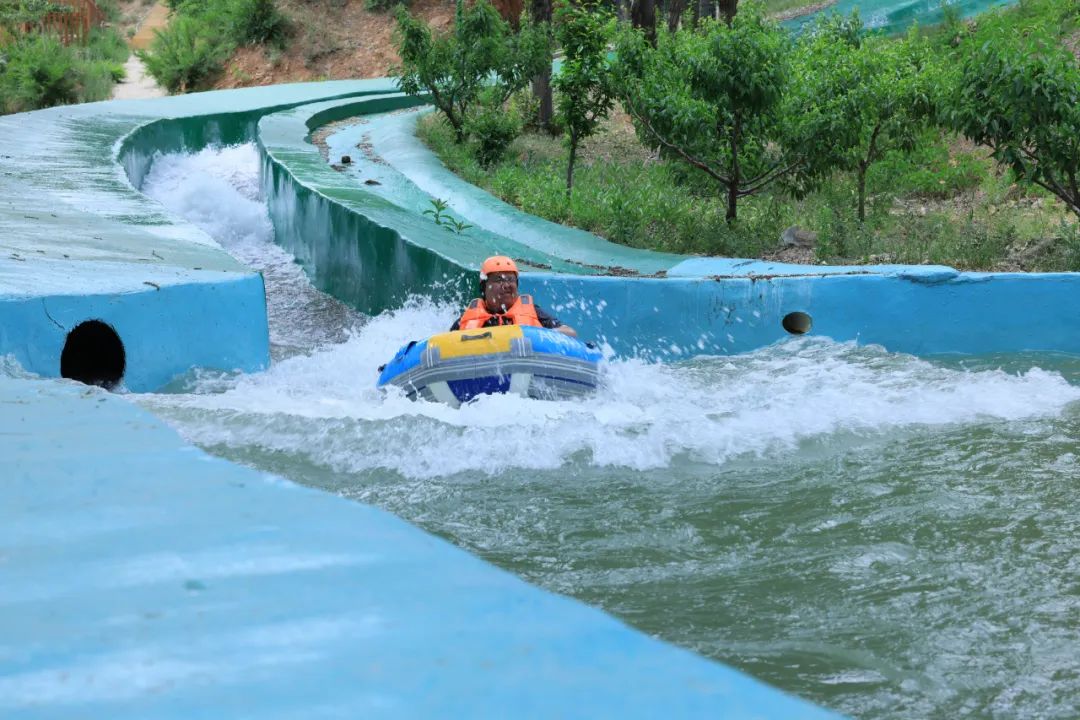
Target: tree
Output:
[
  {"x": 586, "y": 91},
  {"x": 643, "y": 17},
  {"x": 859, "y": 97},
  {"x": 728, "y": 9},
  {"x": 1020, "y": 97},
  {"x": 540, "y": 13},
  {"x": 711, "y": 98},
  {"x": 675, "y": 10},
  {"x": 455, "y": 66}
]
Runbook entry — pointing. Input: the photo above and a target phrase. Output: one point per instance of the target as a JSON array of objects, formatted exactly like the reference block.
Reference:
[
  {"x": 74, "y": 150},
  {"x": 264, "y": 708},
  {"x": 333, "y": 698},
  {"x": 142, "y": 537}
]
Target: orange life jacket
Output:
[{"x": 522, "y": 312}]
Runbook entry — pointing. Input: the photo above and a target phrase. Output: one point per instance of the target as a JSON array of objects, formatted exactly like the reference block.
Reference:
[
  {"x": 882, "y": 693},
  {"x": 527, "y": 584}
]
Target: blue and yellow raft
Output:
[{"x": 455, "y": 367}]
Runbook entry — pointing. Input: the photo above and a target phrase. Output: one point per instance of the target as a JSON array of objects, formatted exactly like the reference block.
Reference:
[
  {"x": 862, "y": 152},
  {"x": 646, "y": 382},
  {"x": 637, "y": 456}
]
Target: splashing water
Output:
[
  {"x": 218, "y": 191},
  {"x": 886, "y": 535}
]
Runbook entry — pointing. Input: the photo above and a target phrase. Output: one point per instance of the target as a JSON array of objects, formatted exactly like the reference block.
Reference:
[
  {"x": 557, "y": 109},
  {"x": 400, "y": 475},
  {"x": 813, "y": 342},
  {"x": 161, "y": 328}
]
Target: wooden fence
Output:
[{"x": 75, "y": 25}]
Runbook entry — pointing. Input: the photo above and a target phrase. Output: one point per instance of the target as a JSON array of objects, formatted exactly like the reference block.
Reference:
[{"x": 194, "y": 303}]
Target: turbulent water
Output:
[{"x": 885, "y": 535}]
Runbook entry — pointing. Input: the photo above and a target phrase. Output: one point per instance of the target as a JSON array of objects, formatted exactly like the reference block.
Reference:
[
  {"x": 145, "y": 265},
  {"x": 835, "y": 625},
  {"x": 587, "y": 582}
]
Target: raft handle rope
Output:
[{"x": 481, "y": 336}]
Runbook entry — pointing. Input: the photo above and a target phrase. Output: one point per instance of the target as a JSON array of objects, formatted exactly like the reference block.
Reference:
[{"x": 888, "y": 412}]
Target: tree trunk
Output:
[
  {"x": 510, "y": 11},
  {"x": 864, "y": 165},
  {"x": 643, "y": 15},
  {"x": 540, "y": 10},
  {"x": 570, "y": 166},
  {"x": 862, "y": 192},
  {"x": 728, "y": 8},
  {"x": 675, "y": 10},
  {"x": 541, "y": 88},
  {"x": 734, "y": 174}
]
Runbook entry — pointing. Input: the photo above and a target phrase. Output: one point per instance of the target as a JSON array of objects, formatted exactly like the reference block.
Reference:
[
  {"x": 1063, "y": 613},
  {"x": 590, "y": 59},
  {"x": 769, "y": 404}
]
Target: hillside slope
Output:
[{"x": 330, "y": 40}]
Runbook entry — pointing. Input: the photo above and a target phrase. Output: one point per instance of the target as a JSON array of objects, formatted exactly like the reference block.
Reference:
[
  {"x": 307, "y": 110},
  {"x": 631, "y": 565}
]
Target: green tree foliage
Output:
[
  {"x": 1020, "y": 96},
  {"x": 855, "y": 98},
  {"x": 454, "y": 67},
  {"x": 712, "y": 97},
  {"x": 584, "y": 83}
]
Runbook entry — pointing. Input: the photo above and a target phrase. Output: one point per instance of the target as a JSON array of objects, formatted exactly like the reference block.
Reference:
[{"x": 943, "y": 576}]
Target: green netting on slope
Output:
[{"x": 894, "y": 16}]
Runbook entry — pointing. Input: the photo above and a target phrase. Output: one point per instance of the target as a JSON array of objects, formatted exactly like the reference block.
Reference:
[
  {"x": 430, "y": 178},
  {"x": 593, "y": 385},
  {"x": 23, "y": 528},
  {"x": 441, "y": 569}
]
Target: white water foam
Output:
[
  {"x": 321, "y": 404},
  {"x": 325, "y": 406},
  {"x": 218, "y": 190}
]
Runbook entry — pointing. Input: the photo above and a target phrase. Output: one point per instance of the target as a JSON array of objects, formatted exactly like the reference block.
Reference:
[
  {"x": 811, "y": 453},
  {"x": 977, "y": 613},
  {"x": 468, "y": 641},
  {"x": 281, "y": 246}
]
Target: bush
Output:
[
  {"x": 106, "y": 44},
  {"x": 202, "y": 35},
  {"x": 40, "y": 72},
  {"x": 1069, "y": 241},
  {"x": 185, "y": 54},
  {"x": 932, "y": 169},
  {"x": 493, "y": 127},
  {"x": 382, "y": 5},
  {"x": 257, "y": 22},
  {"x": 96, "y": 80}
]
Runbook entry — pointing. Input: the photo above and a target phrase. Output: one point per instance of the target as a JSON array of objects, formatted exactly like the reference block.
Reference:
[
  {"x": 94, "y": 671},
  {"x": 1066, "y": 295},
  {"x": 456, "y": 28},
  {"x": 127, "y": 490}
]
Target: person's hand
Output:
[{"x": 567, "y": 330}]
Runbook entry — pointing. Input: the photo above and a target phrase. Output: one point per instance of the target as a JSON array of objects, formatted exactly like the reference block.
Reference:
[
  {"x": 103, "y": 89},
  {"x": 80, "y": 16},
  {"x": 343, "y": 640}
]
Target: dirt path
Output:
[
  {"x": 137, "y": 82},
  {"x": 156, "y": 19}
]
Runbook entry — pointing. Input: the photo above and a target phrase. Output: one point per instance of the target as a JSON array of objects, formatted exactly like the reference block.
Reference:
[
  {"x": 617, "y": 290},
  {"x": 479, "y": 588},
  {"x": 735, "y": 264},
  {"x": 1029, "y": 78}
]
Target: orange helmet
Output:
[{"x": 497, "y": 263}]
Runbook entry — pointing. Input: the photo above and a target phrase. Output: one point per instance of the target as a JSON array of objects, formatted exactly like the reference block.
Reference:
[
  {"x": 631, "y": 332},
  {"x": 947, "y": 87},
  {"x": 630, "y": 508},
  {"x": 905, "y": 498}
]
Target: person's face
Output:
[{"x": 500, "y": 291}]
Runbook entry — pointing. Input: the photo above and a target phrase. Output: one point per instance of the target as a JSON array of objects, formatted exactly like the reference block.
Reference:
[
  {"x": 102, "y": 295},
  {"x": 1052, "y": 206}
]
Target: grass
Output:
[
  {"x": 946, "y": 203},
  {"x": 626, "y": 197}
]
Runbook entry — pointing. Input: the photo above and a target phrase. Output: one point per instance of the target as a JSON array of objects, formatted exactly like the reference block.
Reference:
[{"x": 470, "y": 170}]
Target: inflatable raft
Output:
[{"x": 455, "y": 367}]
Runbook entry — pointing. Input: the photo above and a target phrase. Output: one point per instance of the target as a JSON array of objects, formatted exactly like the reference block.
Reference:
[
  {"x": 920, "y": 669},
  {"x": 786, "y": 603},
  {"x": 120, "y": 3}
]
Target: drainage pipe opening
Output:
[
  {"x": 797, "y": 323},
  {"x": 93, "y": 354}
]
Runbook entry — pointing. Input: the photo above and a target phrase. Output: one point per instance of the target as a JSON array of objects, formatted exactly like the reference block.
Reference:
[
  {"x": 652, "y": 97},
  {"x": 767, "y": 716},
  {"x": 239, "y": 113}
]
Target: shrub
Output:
[
  {"x": 202, "y": 35},
  {"x": 257, "y": 22},
  {"x": 40, "y": 72},
  {"x": 382, "y": 5},
  {"x": 185, "y": 54},
  {"x": 106, "y": 44},
  {"x": 493, "y": 127}
]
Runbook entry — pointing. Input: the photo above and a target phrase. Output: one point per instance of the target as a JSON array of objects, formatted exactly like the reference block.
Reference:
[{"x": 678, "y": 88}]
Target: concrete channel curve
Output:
[{"x": 144, "y": 578}]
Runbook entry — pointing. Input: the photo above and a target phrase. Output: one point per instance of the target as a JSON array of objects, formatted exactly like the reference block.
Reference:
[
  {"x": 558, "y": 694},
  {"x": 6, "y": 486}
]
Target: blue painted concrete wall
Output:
[
  {"x": 78, "y": 242},
  {"x": 689, "y": 306},
  {"x": 166, "y": 330},
  {"x": 974, "y": 313}
]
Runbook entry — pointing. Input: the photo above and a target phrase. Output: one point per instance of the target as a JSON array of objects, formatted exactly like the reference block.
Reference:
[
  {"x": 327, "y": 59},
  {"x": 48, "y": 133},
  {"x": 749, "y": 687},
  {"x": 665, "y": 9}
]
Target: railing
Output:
[{"x": 74, "y": 25}]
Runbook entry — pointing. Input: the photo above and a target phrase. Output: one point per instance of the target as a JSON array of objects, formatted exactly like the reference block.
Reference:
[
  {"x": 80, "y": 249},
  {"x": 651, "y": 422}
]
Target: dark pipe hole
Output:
[
  {"x": 93, "y": 354},
  {"x": 797, "y": 323}
]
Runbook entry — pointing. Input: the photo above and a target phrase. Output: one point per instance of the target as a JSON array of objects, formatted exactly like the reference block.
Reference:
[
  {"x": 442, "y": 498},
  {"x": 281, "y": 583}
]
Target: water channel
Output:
[{"x": 889, "y": 536}]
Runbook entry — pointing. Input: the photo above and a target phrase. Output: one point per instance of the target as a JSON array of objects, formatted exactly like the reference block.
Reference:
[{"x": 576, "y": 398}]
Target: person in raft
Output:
[{"x": 501, "y": 304}]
